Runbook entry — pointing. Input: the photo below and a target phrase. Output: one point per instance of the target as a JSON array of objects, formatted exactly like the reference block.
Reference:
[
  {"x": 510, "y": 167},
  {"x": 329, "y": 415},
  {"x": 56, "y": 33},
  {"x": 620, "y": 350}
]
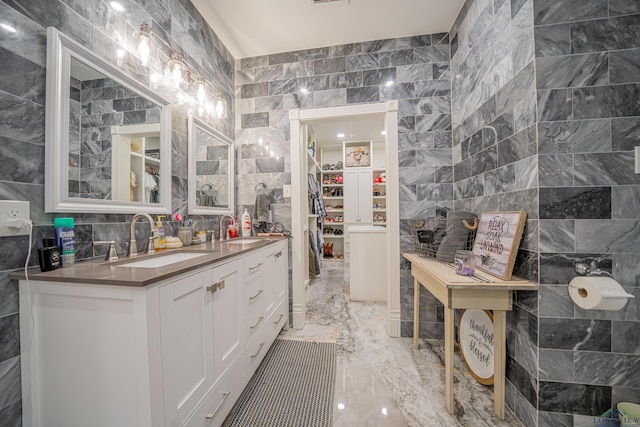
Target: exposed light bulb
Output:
[
  {"x": 200, "y": 110},
  {"x": 175, "y": 69},
  {"x": 221, "y": 107},
  {"x": 201, "y": 94},
  {"x": 144, "y": 50},
  {"x": 8, "y": 28},
  {"x": 260, "y": 141},
  {"x": 119, "y": 56}
]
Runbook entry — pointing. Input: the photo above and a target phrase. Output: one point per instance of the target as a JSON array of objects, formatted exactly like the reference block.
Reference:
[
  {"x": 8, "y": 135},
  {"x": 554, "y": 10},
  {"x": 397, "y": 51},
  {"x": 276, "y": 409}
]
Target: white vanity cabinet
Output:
[
  {"x": 201, "y": 324},
  {"x": 172, "y": 353}
]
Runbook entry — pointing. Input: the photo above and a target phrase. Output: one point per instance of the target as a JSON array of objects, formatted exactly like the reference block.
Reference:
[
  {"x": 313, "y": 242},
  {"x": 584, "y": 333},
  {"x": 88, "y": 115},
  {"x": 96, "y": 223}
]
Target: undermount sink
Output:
[
  {"x": 241, "y": 241},
  {"x": 162, "y": 260}
]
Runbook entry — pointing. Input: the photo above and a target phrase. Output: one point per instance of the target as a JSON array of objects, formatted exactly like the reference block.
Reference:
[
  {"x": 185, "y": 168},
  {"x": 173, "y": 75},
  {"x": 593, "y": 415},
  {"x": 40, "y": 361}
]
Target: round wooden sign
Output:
[{"x": 475, "y": 339}]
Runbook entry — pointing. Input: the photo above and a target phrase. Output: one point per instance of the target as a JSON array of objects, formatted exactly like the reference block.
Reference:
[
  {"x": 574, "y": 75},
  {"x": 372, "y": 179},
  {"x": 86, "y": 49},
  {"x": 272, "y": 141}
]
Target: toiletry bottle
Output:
[
  {"x": 246, "y": 223},
  {"x": 160, "y": 243},
  {"x": 65, "y": 240}
]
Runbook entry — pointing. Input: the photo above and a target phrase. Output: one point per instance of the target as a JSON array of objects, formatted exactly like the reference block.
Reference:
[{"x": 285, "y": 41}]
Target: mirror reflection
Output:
[
  {"x": 211, "y": 169},
  {"x": 114, "y": 139},
  {"x": 108, "y": 136}
]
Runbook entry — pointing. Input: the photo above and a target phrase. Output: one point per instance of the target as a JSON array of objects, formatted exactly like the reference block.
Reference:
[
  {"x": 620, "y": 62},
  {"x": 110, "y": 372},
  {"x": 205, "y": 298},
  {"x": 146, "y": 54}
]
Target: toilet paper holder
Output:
[{"x": 582, "y": 269}]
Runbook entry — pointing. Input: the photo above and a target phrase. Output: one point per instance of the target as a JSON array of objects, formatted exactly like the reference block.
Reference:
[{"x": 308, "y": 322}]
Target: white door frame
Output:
[{"x": 299, "y": 220}]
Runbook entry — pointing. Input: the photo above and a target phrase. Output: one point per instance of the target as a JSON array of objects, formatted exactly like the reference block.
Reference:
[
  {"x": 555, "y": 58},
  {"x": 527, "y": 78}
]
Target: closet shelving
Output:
[
  {"x": 332, "y": 195},
  {"x": 379, "y": 197}
]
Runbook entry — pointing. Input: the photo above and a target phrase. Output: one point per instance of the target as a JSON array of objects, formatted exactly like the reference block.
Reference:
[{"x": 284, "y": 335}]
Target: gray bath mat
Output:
[{"x": 292, "y": 387}]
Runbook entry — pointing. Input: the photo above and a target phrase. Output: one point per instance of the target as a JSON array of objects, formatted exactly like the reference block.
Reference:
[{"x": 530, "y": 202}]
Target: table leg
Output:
[
  {"x": 499, "y": 359},
  {"x": 449, "y": 338},
  {"x": 416, "y": 313}
]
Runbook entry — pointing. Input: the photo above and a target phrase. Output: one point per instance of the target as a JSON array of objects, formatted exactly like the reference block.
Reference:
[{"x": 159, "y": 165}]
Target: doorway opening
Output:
[{"x": 302, "y": 158}]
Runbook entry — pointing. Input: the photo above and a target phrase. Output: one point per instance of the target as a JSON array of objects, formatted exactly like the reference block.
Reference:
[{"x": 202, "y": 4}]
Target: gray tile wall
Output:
[
  {"x": 495, "y": 156},
  {"x": 269, "y": 86},
  {"x": 22, "y": 128},
  {"x": 588, "y": 85}
]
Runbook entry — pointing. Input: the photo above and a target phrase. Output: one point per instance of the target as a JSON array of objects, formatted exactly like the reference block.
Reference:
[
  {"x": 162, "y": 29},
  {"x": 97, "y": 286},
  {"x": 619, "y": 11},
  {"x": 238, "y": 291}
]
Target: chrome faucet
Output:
[
  {"x": 222, "y": 233},
  {"x": 133, "y": 246}
]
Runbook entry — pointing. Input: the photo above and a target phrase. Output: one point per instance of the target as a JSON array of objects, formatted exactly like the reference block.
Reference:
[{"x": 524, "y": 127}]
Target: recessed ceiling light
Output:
[
  {"x": 304, "y": 90},
  {"x": 340, "y": 135},
  {"x": 117, "y": 6},
  {"x": 8, "y": 28},
  {"x": 389, "y": 83},
  {"x": 383, "y": 132}
]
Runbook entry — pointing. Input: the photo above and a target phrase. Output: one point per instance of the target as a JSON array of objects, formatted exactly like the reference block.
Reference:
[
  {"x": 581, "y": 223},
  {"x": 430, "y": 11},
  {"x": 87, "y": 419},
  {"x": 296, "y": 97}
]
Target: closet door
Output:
[{"x": 358, "y": 196}]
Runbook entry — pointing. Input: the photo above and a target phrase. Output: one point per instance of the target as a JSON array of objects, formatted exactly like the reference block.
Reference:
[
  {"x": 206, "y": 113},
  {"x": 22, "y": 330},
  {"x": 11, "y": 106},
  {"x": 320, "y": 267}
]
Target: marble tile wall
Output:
[
  {"x": 495, "y": 156},
  {"x": 269, "y": 86},
  {"x": 96, "y": 25},
  {"x": 588, "y": 83}
]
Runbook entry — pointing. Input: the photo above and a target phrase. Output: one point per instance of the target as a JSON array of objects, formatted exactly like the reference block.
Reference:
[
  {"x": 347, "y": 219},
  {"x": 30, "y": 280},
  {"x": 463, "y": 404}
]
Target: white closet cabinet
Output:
[{"x": 358, "y": 196}]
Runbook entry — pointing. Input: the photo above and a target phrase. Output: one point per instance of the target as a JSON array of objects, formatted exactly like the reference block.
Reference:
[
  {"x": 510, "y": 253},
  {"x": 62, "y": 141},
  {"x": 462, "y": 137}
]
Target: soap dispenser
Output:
[{"x": 159, "y": 243}]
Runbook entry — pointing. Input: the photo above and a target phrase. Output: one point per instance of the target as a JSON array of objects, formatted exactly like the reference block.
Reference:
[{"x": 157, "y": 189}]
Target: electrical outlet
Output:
[{"x": 13, "y": 210}]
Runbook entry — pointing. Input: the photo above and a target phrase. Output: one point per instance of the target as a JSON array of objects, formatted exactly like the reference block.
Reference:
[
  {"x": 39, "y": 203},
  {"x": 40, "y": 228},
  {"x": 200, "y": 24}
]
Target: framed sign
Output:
[
  {"x": 475, "y": 339},
  {"x": 497, "y": 241},
  {"x": 356, "y": 156}
]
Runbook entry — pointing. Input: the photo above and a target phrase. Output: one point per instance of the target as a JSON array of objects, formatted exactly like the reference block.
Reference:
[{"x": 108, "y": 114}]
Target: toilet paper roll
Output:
[{"x": 598, "y": 293}]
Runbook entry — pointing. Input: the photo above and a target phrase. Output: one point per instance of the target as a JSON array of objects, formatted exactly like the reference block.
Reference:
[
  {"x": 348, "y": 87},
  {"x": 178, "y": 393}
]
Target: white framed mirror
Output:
[
  {"x": 108, "y": 137},
  {"x": 211, "y": 170}
]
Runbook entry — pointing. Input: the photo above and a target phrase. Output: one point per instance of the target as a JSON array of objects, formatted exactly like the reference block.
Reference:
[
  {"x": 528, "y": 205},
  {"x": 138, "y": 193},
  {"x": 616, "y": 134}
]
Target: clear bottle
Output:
[
  {"x": 246, "y": 223},
  {"x": 160, "y": 244},
  {"x": 65, "y": 240}
]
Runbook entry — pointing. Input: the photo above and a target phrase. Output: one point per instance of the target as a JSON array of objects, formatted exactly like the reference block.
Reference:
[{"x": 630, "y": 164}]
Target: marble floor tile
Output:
[{"x": 383, "y": 381}]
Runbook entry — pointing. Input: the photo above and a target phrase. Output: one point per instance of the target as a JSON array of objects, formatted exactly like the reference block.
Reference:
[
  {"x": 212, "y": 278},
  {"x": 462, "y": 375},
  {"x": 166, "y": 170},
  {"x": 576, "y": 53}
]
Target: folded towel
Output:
[
  {"x": 207, "y": 200},
  {"x": 261, "y": 208}
]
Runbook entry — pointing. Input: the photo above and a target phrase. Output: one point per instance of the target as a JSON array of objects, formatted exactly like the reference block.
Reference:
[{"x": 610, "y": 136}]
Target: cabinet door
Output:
[
  {"x": 358, "y": 196},
  {"x": 281, "y": 281},
  {"x": 226, "y": 287},
  {"x": 365, "y": 196},
  {"x": 187, "y": 360}
]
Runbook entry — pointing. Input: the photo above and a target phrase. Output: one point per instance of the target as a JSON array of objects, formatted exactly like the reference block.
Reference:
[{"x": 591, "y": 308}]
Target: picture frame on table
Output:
[{"x": 497, "y": 241}]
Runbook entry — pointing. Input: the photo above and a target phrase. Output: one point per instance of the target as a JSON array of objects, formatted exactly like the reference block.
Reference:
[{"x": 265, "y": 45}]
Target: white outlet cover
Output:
[{"x": 13, "y": 209}]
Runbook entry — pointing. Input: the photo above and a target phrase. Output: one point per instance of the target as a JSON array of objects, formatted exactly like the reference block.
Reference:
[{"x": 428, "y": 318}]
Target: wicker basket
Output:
[{"x": 430, "y": 232}]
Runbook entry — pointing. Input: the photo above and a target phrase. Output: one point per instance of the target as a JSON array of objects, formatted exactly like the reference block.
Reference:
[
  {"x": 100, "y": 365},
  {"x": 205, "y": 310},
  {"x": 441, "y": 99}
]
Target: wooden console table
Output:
[{"x": 480, "y": 291}]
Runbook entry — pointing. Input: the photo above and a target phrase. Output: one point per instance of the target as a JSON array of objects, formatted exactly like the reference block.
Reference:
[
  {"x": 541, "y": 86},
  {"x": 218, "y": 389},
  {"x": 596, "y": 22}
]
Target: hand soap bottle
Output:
[
  {"x": 159, "y": 244},
  {"x": 246, "y": 223}
]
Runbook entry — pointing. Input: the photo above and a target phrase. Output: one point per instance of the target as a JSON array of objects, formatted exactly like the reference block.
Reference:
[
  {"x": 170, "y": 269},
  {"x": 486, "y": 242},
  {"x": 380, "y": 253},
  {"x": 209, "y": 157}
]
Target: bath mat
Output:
[{"x": 292, "y": 387}]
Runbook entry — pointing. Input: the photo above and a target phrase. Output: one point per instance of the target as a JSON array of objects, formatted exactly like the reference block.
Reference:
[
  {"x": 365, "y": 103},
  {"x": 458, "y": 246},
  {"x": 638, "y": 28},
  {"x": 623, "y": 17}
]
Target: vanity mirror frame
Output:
[
  {"x": 196, "y": 125},
  {"x": 60, "y": 49}
]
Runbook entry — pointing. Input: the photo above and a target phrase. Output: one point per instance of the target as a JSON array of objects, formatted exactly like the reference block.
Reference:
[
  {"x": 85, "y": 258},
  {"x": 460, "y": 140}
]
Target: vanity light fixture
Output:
[
  {"x": 8, "y": 28},
  {"x": 180, "y": 72}
]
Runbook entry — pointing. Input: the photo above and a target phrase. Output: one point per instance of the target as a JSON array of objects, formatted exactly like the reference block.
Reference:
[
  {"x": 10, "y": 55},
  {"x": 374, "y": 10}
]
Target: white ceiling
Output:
[
  {"x": 363, "y": 128},
  {"x": 251, "y": 28}
]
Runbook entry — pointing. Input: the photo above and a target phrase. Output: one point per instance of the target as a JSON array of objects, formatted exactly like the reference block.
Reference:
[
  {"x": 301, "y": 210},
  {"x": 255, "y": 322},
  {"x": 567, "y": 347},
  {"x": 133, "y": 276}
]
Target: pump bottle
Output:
[
  {"x": 246, "y": 223},
  {"x": 159, "y": 244}
]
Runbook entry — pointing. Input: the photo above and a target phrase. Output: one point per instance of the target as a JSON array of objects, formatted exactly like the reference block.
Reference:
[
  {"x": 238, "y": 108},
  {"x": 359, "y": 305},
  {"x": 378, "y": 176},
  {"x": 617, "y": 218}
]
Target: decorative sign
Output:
[
  {"x": 497, "y": 241},
  {"x": 475, "y": 334},
  {"x": 357, "y": 156}
]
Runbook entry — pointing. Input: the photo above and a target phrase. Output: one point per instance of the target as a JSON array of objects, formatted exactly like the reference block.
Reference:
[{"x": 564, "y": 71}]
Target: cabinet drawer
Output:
[
  {"x": 276, "y": 322},
  {"x": 253, "y": 266},
  {"x": 255, "y": 294},
  {"x": 255, "y": 320},
  {"x": 256, "y": 349},
  {"x": 220, "y": 399}
]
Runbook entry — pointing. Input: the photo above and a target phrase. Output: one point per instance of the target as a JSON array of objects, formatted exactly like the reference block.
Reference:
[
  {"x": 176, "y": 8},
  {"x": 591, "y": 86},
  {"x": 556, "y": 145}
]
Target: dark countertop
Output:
[{"x": 101, "y": 272}]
